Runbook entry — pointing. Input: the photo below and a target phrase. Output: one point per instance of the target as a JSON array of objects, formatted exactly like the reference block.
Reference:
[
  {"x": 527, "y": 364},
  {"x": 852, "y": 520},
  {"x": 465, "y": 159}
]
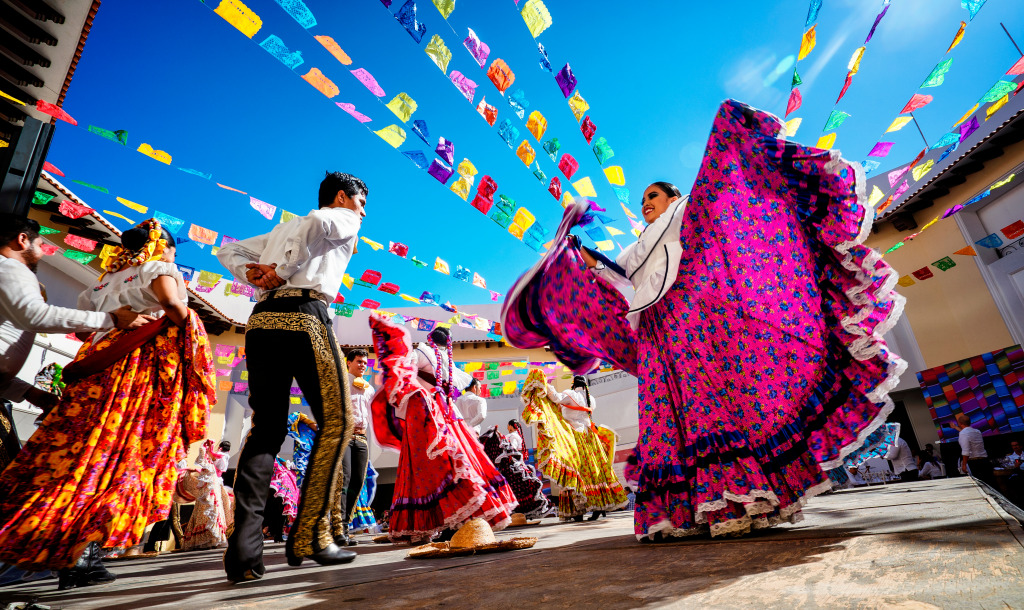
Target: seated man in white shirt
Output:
[
  {"x": 1016, "y": 457},
  {"x": 297, "y": 268},
  {"x": 24, "y": 312},
  {"x": 903, "y": 463}
]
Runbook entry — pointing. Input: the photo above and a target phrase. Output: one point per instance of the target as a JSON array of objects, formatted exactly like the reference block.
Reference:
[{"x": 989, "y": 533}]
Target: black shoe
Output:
[
  {"x": 86, "y": 572},
  {"x": 95, "y": 572},
  {"x": 67, "y": 578},
  {"x": 246, "y": 576},
  {"x": 331, "y": 555},
  {"x": 578, "y": 518},
  {"x": 445, "y": 535},
  {"x": 237, "y": 573},
  {"x": 345, "y": 540}
]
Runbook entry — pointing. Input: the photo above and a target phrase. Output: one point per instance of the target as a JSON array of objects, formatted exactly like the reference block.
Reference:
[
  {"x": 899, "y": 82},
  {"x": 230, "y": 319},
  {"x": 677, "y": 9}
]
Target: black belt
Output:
[{"x": 294, "y": 292}]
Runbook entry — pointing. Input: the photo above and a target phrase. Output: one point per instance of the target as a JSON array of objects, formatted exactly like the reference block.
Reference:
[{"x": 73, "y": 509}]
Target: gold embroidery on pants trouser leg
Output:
[{"x": 322, "y": 476}]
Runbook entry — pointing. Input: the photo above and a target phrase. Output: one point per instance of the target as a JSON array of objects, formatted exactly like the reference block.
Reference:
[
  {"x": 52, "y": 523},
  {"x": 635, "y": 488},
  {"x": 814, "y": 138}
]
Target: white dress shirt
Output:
[
  {"x": 132, "y": 287},
  {"x": 311, "y": 251},
  {"x": 901, "y": 456},
  {"x": 971, "y": 443},
  {"x": 579, "y": 420},
  {"x": 473, "y": 409},
  {"x": 23, "y": 313},
  {"x": 362, "y": 395}
]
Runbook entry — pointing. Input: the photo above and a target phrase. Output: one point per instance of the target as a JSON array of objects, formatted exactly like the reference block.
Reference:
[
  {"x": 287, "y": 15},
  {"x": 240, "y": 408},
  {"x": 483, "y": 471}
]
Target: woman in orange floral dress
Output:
[{"x": 101, "y": 466}]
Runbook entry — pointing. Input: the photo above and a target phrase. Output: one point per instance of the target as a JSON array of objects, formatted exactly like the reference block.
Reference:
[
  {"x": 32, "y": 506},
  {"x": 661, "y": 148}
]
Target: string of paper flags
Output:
[
  {"x": 899, "y": 182},
  {"x": 990, "y": 241},
  {"x": 206, "y": 281},
  {"x": 204, "y": 236},
  {"x": 517, "y": 220},
  {"x": 881, "y": 148},
  {"x": 538, "y": 19},
  {"x": 1011, "y": 232}
]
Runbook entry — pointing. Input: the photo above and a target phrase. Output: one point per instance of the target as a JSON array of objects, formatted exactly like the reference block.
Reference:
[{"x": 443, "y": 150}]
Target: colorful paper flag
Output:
[
  {"x": 265, "y": 209},
  {"x": 439, "y": 52},
  {"x": 880, "y": 149},
  {"x": 916, "y": 102},
  {"x": 536, "y": 16},
  {"x": 923, "y": 273},
  {"x": 368, "y": 81},
  {"x": 202, "y": 235},
  {"x": 898, "y": 123},
  {"x": 938, "y": 74},
  {"x": 808, "y": 42},
  {"x": 795, "y": 99},
  {"x": 959, "y": 36},
  {"x": 944, "y": 264}
]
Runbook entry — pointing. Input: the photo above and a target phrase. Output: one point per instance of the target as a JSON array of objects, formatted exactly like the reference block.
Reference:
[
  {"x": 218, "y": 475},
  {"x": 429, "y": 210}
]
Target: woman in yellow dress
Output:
[{"x": 572, "y": 451}]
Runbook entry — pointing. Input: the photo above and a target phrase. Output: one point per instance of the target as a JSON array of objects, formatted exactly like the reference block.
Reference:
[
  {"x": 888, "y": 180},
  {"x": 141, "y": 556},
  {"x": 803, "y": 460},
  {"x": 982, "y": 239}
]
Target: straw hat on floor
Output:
[
  {"x": 473, "y": 537},
  {"x": 519, "y": 519}
]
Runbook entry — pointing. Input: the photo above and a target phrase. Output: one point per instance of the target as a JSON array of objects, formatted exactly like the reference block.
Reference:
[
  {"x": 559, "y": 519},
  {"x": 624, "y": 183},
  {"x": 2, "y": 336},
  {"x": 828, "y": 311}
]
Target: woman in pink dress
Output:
[{"x": 755, "y": 329}]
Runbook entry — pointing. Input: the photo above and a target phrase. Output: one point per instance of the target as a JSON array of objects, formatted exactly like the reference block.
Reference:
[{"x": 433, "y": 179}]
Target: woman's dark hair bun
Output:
[
  {"x": 440, "y": 335},
  {"x": 134, "y": 238}
]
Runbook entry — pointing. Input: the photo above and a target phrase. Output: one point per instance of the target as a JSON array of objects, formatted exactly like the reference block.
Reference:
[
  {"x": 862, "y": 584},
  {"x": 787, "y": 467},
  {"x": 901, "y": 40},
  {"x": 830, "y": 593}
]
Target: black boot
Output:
[
  {"x": 87, "y": 571},
  {"x": 68, "y": 578},
  {"x": 330, "y": 555},
  {"x": 345, "y": 540},
  {"x": 96, "y": 573}
]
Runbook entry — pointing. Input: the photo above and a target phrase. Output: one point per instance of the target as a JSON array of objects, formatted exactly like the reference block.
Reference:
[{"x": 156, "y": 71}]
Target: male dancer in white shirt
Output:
[
  {"x": 298, "y": 268},
  {"x": 357, "y": 455}
]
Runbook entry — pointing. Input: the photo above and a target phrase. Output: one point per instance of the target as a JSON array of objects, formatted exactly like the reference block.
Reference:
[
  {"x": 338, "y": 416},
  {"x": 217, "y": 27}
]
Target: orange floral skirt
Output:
[{"x": 101, "y": 467}]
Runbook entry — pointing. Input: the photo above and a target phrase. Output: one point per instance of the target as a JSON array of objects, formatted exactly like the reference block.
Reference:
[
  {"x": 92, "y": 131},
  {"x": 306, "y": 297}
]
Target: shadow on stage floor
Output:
[{"x": 614, "y": 571}]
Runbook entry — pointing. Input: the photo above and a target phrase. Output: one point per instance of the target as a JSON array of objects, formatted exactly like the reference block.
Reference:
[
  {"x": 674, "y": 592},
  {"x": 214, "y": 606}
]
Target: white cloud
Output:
[{"x": 744, "y": 80}]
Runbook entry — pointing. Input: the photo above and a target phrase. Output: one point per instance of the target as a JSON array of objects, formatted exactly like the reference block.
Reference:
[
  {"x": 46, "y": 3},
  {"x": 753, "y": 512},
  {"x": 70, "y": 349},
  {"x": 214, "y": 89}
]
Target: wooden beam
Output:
[
  {"x": 21, "y": 52},
  {"x": 23, "y": 27},
  {"x": 39, "y": 10}
]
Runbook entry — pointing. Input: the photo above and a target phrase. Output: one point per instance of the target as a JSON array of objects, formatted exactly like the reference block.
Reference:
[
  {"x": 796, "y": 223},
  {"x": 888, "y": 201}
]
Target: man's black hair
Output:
[
  {"x": 12, "y": 225},
  {"x": 352, "y": 354},
  {"x": 334, "y": 182}
]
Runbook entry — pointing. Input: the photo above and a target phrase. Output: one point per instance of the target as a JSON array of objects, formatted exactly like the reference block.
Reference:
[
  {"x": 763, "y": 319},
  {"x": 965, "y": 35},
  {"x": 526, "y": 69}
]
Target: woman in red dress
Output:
[{"x": 444, "y": 477}]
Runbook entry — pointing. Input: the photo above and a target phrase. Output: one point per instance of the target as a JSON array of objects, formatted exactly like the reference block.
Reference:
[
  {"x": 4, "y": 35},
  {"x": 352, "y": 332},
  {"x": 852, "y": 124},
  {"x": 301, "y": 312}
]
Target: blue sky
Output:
[{"x": 178, "y": 77}]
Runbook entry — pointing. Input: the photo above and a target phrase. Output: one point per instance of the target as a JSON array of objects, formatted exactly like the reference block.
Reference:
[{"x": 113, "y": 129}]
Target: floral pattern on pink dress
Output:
[{"x": 764, "y": 365}]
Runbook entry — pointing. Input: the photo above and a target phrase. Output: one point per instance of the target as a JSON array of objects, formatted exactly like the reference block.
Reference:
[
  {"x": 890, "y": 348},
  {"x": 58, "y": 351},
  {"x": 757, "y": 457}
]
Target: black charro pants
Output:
[
  {"x": 357, "y": 455},
  {"x": 289, "y": 337}
]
